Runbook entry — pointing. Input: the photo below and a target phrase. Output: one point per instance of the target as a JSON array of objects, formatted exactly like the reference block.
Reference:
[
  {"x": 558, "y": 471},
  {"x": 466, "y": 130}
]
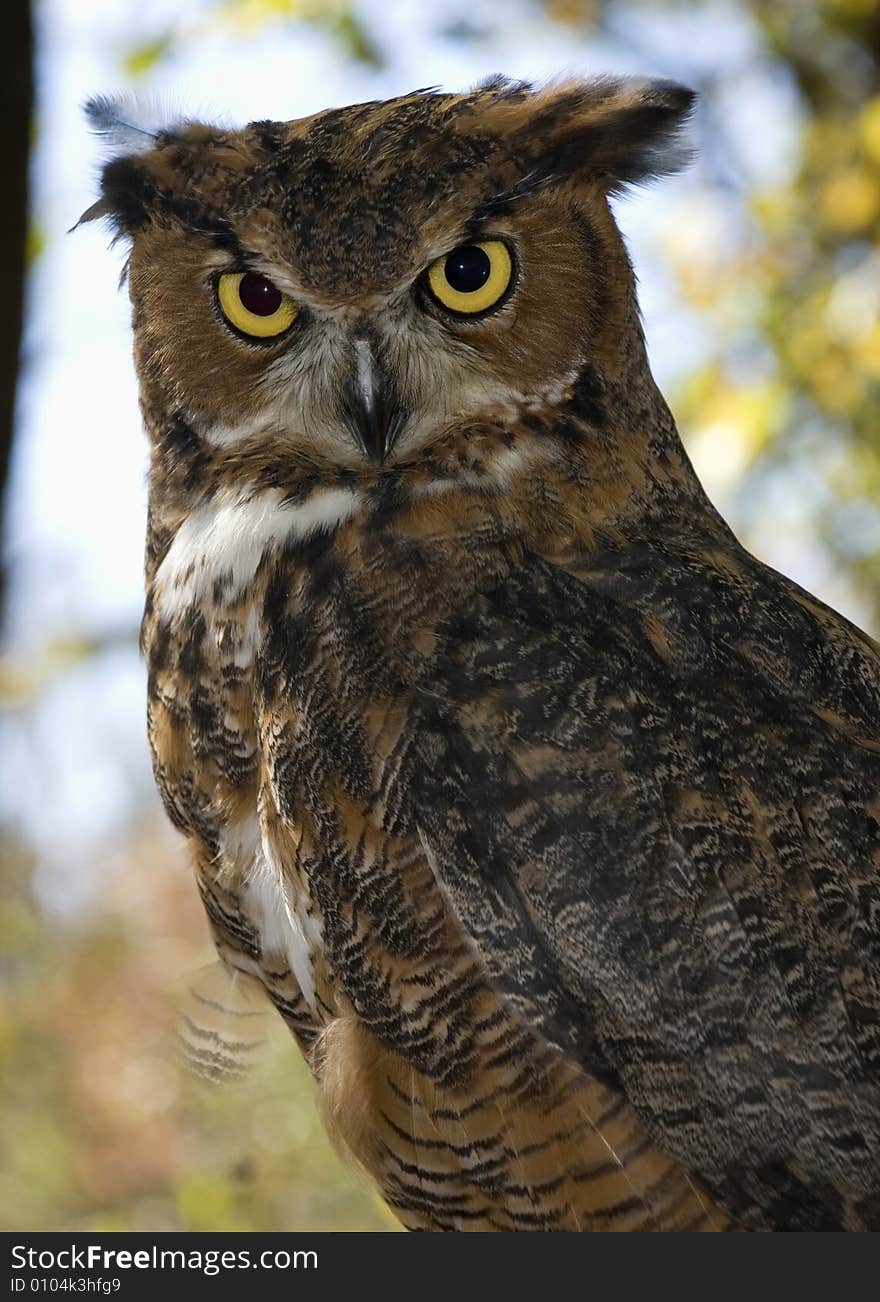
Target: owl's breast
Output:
[{"x": 282, "y": 684}]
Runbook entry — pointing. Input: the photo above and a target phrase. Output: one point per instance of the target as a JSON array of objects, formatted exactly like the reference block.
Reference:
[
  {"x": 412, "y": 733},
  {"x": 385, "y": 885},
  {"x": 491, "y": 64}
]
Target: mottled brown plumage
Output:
[{"x": 546, "y": 815}]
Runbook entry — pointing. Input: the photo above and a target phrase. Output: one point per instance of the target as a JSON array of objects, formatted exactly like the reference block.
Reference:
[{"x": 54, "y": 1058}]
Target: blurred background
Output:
[{"x": 760, "y": 281}]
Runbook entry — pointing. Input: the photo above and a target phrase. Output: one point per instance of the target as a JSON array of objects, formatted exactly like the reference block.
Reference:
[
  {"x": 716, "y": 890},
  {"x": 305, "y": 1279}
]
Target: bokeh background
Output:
[{"x": 760, "y": 275}]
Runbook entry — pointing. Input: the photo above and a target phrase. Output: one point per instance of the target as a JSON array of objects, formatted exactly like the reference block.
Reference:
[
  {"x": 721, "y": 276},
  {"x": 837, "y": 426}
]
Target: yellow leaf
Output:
[
  {"x": 838, "y": 388},
  {"x": 869, "y": 128},
  {"x": 807, "y": 342},
  {"x": 204, "y": 1202},
  {"x": 857, "y": 8},
  {"x": 142, "y": 58},
  {"x": 868, "y": 352},
  {"x": 851, "y": 200},
  {"x": 574, "y": 13}
]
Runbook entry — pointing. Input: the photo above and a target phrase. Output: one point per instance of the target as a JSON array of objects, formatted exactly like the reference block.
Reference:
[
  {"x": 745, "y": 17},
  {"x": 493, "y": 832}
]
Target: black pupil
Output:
[
  {"x": 467, "y": 269},
  {"x": 258, "y": 294}
]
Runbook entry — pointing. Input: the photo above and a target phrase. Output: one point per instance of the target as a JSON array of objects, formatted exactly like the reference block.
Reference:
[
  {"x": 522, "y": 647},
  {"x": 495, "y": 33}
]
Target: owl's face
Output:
[
  {"x": 459, "y": 321},
  {"x": 354, "y": 283}
]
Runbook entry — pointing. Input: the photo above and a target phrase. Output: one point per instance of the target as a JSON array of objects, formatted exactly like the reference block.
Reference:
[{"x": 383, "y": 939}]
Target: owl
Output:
[{"x": 547, "y": 817}]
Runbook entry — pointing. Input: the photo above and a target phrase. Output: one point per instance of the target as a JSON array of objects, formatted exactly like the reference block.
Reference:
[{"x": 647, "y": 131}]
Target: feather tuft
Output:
[{"x": 129, "y": 124}]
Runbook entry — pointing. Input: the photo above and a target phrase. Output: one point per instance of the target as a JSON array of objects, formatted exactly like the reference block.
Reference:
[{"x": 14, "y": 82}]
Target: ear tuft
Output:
[
  {"x": 617, "y": 131},
  {"x": 651, "y": 133},
  {"x": 126, "y": 195},
  {"x": 128, "y": 127},
  {"x": 124, "y": 124}
]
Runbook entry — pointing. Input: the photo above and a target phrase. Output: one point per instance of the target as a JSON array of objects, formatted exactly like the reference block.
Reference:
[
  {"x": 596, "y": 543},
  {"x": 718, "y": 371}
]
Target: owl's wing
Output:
[{"x": 650, "y": 788}]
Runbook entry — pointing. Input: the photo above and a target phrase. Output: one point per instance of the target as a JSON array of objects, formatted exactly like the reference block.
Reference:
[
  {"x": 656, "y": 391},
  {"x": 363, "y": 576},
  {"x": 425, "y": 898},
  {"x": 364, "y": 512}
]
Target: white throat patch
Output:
[{"x": 227, "y": 539}]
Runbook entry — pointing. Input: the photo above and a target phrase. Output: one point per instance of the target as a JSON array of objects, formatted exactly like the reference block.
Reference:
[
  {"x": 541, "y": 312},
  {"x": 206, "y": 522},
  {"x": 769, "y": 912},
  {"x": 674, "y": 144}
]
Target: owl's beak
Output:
[{"x": 370, "y": 406}]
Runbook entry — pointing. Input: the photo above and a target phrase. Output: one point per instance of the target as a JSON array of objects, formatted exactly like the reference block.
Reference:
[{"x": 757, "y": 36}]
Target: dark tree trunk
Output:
[{"x": 16, "y": 107}]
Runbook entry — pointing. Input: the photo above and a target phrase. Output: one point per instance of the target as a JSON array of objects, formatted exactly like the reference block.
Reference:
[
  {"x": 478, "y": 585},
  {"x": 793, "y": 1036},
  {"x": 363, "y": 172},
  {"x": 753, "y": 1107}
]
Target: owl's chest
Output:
[
  {"x": 281, "y": 731},
  {"x": 277, "y": 727},
  {"x": 283, "y": 667}
]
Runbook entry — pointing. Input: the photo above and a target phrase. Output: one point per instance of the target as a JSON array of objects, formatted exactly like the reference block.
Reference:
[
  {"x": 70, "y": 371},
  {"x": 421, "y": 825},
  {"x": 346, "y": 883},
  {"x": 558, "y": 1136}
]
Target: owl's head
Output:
[{"x": 355, "y": 282}]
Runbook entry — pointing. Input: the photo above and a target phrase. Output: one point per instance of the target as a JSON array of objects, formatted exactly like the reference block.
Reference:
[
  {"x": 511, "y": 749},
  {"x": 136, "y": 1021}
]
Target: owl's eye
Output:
[
  {"x": 472, "y": 278},
  {"x": 253, "y": 305}
]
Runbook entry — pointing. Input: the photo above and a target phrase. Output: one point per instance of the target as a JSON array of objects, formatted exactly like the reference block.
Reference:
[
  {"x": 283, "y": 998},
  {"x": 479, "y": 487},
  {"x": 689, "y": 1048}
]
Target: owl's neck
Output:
[{"x": 605, "y": 461}]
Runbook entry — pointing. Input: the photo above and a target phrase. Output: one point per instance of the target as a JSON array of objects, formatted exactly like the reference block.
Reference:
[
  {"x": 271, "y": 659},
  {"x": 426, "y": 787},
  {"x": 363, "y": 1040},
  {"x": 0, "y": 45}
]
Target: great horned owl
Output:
[{"x": 546, "y": 814}]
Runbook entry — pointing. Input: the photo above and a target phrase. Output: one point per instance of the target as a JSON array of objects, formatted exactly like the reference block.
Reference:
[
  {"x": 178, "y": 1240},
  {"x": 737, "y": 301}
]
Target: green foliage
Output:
[
  {"x": 338, "y": 18},
  {"x": 353, "y": 37},
  {"x": 142, "y": 58}
]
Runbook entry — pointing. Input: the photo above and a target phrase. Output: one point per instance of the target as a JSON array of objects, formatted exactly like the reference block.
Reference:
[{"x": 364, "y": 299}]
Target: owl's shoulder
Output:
[{"x": 676, "y": 615}]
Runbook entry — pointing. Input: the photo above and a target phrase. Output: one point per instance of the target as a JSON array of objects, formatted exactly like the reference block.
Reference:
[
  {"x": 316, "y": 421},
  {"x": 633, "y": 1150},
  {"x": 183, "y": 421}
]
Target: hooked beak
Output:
[{"x": 372, "y": 412}]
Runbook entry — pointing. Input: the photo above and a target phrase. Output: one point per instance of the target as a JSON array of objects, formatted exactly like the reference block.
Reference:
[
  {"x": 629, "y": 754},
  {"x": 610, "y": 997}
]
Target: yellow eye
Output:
[
  {"x": 472, "y": 278},
  {"x": 254, "y": 305}
]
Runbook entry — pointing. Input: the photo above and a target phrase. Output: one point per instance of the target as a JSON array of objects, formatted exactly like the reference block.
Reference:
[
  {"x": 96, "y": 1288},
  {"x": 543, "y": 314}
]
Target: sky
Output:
[{"x": 77, "y": 748}]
